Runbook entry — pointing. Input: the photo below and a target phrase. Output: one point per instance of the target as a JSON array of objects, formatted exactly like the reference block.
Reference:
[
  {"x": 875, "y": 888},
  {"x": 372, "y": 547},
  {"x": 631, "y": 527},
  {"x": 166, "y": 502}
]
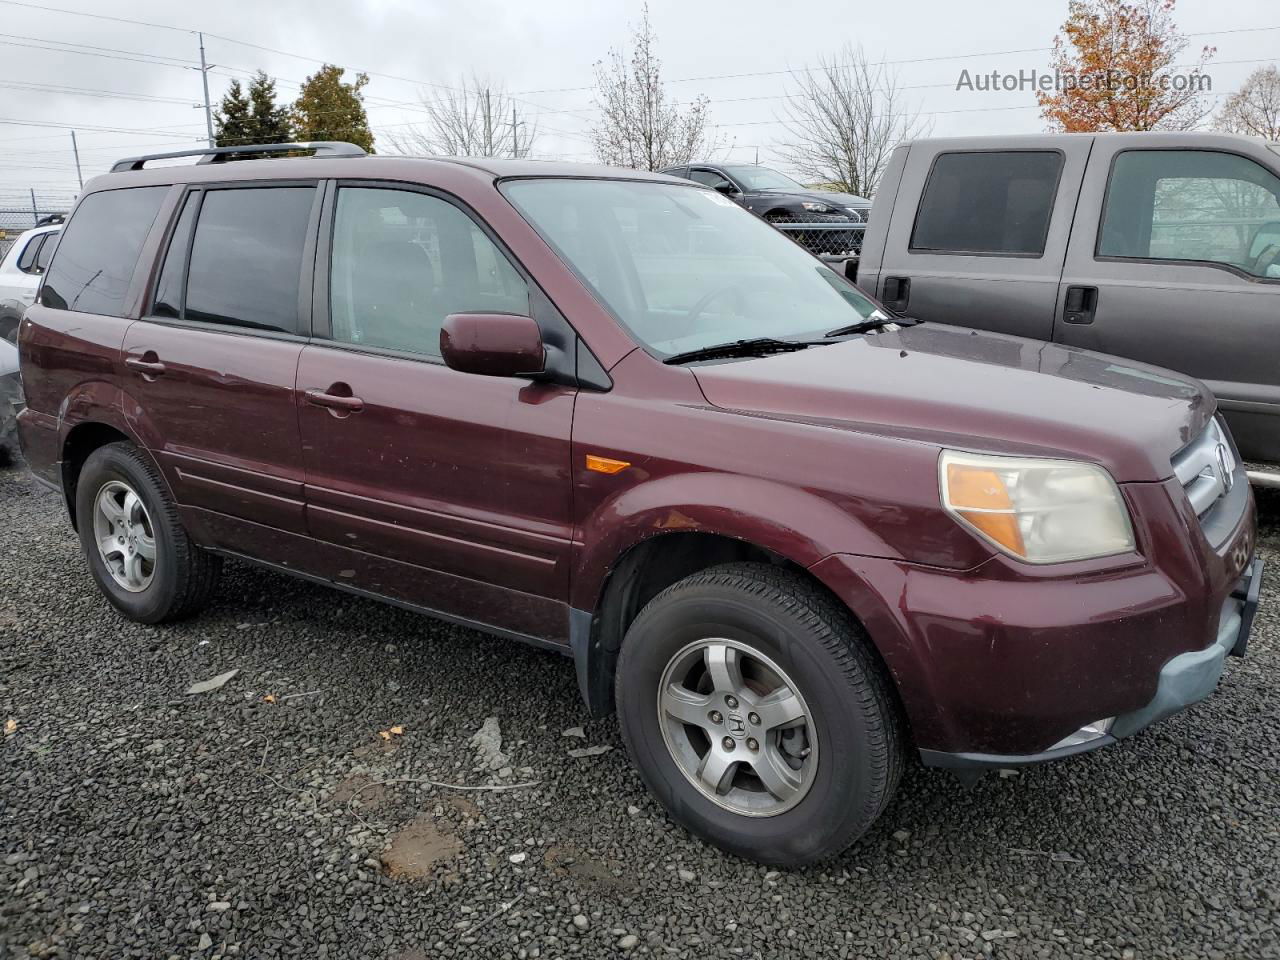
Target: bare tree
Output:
[
  {"x": 1254, "y": 109},
  {"x": 474, "y": 119},
  {"x": 639, "y": 126},
  {"x": 844, "y": 120}
]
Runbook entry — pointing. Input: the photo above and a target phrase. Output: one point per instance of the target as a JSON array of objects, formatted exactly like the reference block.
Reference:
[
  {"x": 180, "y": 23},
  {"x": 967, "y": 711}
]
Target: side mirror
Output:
[
  {"x": 725, "y": 187},
  {"x": 492, "y": 344}
]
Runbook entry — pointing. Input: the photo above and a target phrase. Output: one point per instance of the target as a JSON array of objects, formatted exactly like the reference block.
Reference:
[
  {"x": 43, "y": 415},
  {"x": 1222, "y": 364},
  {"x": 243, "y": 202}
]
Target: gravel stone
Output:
[{"x": 137, "y": 822}]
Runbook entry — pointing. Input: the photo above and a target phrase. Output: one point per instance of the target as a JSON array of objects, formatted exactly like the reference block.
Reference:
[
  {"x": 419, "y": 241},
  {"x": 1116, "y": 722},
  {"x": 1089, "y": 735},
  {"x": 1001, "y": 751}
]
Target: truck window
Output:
[
  {"x": 246, "y": 258},
  {"x": 988, "y": 202},
  {"x": 99, "y": 249},
  {"x": 1198, "y": 205}
]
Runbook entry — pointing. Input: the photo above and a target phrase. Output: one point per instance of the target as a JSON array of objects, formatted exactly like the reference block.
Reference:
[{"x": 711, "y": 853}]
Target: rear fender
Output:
[{"x": 97, "y": 402}]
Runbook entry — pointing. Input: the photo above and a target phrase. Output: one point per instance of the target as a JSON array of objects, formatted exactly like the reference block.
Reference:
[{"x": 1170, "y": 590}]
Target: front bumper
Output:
[
  {"x": 1006, "y": 664},
  {"x": 1186, "y": 679}
]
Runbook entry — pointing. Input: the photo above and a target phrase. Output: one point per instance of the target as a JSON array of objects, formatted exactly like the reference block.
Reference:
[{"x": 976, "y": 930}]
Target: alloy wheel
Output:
[
  {"x": 125, "y": 536},
  {"x": 738, "y": 727}
]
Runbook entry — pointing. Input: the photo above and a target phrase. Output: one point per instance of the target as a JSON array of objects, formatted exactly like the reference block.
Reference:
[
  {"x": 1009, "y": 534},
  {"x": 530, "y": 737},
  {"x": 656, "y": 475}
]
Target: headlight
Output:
[
  {"x": 815, "y": 207},
  {"x": 1041, "y": 511}
]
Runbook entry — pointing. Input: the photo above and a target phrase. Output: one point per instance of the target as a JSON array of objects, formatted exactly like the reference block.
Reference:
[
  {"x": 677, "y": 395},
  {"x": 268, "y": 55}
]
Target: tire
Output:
[
  {"x": 783, "y": 627},
  {"x": 180, "y": 579}
]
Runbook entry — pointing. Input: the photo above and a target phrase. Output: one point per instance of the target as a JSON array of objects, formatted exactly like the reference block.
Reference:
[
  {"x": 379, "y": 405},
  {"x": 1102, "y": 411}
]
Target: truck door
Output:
[
  {"x": 1175, "y": 260},
  {"x": 978, "y": 234}
]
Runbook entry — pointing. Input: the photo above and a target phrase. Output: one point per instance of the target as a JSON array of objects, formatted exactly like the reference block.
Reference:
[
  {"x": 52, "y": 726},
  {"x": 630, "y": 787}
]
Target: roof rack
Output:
[{"x": 321, "y": 148}]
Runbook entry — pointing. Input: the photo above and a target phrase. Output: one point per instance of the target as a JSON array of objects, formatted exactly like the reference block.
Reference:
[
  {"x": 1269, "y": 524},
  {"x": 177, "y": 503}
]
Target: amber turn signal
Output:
[
  {"x": 605, "y": 464},
  {"x": 981, "y": 497}
]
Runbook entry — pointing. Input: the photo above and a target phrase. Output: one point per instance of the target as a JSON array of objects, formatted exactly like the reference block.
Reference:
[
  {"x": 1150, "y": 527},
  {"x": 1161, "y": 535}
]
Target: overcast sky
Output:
[{"x": 130, "y": 89}]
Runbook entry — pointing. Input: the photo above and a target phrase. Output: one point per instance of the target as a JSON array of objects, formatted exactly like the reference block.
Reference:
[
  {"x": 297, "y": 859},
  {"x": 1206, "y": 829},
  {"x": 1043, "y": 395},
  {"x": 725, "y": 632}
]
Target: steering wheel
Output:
[
  {"x": 733, "y": 289},
  {"x": 1268, "y": 258}
]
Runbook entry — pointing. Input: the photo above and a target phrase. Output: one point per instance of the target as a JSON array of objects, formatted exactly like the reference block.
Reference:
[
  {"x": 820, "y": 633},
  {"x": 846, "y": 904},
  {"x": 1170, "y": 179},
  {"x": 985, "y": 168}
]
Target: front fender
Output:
[{"x": 789, "y": 521}]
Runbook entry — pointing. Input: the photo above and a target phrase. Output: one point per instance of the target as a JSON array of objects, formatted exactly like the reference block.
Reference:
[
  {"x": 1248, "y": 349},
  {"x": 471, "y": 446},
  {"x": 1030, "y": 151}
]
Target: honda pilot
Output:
[{"x": 794, "y": 542}]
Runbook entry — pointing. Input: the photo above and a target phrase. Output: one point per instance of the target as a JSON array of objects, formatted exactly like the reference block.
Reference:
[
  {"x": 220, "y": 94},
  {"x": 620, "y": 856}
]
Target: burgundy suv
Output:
[{"x": 792, "y": 539}]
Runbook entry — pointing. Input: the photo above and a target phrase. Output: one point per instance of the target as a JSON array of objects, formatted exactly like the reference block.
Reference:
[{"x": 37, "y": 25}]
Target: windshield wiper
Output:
[
  {"x": 755, "y": 347},
  {"x": 862, "y": 326}
]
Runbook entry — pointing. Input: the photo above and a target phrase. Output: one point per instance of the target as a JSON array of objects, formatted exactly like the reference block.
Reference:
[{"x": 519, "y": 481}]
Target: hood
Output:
[
  {"x": 977, "y": 391},
  {"x": 842, "y": 199}
]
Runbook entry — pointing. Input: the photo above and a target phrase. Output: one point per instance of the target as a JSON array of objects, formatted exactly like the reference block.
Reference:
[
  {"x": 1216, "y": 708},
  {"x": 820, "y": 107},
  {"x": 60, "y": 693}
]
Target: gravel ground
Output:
[{"x": 256, "y": 820}]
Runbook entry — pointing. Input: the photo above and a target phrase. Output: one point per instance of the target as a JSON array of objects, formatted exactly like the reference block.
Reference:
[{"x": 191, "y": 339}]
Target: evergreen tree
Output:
[
  {"x": 329, "y": 109},
  {"x": 270, "y": 122},
  {"x": 252, "y": 116},
  {"x": 231, "y": 120}
]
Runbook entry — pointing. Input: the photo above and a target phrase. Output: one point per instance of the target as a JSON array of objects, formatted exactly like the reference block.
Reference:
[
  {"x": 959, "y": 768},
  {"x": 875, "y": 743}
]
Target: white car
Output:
[
  {"x": 11, "y": 402},
  {"x": 20, "y": 273}
]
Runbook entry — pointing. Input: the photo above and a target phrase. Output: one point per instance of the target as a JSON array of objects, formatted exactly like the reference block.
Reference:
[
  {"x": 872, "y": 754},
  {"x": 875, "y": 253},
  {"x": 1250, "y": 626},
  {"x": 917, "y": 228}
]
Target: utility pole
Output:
[
  {"x": 488, "y": 125},
  {"x": 35, "y": 213},
  {"x": 515, "y": 134},
  {"x": 204, "y": 78},
  {"x": 76, "y": 150}
]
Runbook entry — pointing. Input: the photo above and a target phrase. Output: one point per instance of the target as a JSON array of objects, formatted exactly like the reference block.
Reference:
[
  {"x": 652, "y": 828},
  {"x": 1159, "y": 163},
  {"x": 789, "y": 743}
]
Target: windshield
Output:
[
  {"x": 762, "y": 178},
  {"x": 682, "y": 267}
]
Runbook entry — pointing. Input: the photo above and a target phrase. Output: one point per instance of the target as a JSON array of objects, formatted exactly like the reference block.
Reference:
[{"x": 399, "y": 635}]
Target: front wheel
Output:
[
  {"x": 137, "y": 549},
  {"x": 758, "y": 715}
]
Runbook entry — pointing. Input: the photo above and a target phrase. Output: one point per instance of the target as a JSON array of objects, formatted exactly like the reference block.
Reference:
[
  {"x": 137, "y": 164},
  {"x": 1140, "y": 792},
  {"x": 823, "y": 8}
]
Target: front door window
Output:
[{"x": 1193, "y": 205}]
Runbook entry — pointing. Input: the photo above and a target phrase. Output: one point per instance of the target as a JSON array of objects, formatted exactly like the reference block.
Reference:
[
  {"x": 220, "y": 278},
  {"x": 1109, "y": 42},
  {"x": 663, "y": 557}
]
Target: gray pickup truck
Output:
[{"x": 1161, "y": 247}]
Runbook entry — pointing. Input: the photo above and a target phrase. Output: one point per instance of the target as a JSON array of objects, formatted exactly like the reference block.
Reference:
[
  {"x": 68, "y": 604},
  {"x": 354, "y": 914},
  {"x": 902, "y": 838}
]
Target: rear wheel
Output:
[
  {"x": 757, "y": 714},
  {"x": 137, "y": 550}
]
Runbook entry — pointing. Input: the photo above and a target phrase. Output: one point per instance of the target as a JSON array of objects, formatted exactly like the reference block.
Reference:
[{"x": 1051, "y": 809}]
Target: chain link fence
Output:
[
  {"x": 836, "y": 239},
  {"x": 20, "y": 211}
]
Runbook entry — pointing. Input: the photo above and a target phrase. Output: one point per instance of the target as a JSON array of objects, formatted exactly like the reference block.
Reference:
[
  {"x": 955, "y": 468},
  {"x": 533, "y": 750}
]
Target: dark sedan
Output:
[
  {"x": 774, "y": 195},
  {"x": 827, "y": 224}
]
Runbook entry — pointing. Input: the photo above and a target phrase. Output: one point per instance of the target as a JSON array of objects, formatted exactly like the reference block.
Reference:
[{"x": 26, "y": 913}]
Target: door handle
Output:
[
  {"x": 336, "y": 402},
  {"x": 1080, "y": 305},
  {"x": 148, "y": 365},
  {"x": 897, "y": 291}
]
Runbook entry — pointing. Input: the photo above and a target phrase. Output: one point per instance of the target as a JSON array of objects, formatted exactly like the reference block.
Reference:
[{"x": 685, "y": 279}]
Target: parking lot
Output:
[{"x": 287, "y": 814}]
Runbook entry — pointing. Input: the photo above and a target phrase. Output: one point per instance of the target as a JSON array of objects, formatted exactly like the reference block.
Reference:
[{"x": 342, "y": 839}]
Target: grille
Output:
[{"x": 1206, "y": 468}]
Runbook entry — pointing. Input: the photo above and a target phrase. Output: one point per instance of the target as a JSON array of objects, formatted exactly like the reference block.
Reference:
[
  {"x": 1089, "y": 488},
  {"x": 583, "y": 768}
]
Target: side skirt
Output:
[{"x": 403, "y": 604}]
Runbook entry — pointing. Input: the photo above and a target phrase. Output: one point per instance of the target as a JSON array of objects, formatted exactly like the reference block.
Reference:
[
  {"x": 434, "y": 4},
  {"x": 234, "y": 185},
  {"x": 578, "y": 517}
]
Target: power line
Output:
[{"x": 85, "y": 92}]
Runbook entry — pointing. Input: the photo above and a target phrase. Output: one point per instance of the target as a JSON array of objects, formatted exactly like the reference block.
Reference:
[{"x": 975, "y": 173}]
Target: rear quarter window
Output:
[
  {"x": 98, "y": 251},
  {"x": 988, "y": 202}
]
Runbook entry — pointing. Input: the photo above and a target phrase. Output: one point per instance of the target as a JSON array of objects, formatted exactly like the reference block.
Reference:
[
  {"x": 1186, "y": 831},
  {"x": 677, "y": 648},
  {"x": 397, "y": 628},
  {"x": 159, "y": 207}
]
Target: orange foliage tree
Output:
[{"x": 1116, "y": 70}]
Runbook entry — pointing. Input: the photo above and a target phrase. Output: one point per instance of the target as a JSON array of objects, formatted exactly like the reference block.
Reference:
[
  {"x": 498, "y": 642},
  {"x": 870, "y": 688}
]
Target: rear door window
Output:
[
  {"x": 173, "y": 275},
  {"x": 246, "y": 257},
  {"x": 98, "y": 251},
  {"x": 988, "y": 202},
  {"x": 709, "y": 177}
]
